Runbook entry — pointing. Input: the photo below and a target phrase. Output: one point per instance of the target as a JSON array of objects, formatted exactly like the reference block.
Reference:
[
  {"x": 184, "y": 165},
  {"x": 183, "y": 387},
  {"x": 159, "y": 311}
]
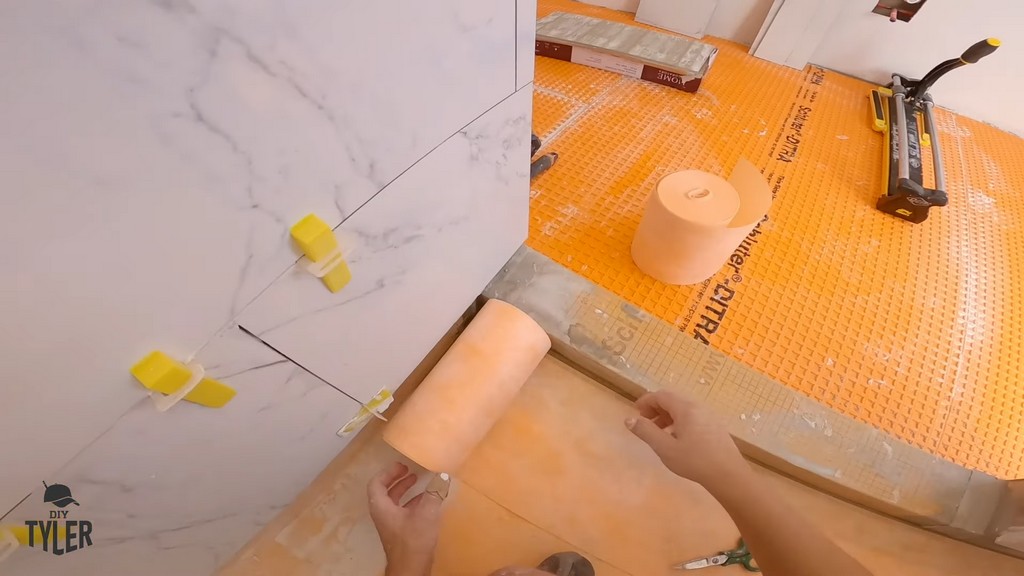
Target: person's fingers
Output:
[
  {"x": 677, "y": 407},
  {"x": 662, "y": 421},
  {"x": 659, "y": 440},
  {"x": 398, "y": 489},
  {"x": 388, "y": 476},
  {"x": 649, "y": 406},
  {"x": 377, "y": 488}
]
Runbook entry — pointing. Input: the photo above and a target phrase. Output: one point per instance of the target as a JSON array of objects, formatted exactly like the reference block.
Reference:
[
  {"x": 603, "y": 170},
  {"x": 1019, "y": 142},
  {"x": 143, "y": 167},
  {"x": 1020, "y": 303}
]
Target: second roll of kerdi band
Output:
[{"x": 694, "y": 220}]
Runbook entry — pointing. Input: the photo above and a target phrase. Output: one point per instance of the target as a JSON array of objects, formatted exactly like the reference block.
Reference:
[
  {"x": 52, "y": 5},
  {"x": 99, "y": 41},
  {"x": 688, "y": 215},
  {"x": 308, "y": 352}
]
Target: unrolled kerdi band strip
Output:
[
  {"x": 469, "y": 389},
  {"x": 694, "y": 220}
]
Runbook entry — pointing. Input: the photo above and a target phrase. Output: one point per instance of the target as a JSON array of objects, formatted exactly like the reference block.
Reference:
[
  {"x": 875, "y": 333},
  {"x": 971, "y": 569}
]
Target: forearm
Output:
[
  {"x": 700, "y": 448},
  {"x": 404, "y": 562},
  {"x": 782, "y": 541}
]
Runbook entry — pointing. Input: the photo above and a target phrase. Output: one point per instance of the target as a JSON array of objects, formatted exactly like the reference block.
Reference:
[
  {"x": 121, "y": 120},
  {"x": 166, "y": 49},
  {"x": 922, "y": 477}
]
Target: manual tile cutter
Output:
[{"x": 907, "y": 101}]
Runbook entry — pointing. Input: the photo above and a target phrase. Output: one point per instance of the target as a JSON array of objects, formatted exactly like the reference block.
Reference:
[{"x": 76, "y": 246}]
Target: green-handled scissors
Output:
[{"x": 738, "y": 556}]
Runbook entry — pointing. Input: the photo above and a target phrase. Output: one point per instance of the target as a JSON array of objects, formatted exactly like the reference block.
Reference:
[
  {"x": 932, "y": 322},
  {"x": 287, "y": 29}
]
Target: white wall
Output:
[
  {"x": 738, "y": 20},
  {"x": 869, "y": 46}
]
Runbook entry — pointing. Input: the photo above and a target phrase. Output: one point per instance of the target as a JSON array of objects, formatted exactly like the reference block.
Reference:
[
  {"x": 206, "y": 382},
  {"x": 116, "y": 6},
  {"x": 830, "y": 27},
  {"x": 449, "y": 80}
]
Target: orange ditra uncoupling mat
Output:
[{"x": 916, "y": 329}]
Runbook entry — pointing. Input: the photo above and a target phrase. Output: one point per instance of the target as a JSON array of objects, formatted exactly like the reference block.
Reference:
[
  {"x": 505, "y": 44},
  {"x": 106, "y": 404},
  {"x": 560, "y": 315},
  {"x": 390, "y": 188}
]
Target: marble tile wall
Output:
[
  {"x": 177, "y": 493},
  {"x": 153, "y": 159},
  {"x": 526, "y": 36},
  {"x": 420, "y": 252},
  {"x": 154, "y": 155}
]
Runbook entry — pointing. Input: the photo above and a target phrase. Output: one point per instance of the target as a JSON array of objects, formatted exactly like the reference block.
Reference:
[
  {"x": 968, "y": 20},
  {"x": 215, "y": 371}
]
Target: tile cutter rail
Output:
[{"x": 897, "y": 111}]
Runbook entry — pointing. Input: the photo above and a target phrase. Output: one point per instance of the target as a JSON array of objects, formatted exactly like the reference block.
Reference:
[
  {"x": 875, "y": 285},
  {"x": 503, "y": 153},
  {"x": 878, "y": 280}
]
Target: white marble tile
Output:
[
  {"x": 419, "y": 253},
  {"x": 180, "y": 492},
  {"x": 526, "y": 39},
  {"x": 154, "y": 155}
]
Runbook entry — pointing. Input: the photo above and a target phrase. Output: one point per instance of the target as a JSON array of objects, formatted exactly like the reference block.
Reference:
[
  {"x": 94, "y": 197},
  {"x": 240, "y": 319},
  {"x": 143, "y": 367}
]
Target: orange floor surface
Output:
[
  {"x": 916, "y": 329},
  {"x": 540, "y": 482}
]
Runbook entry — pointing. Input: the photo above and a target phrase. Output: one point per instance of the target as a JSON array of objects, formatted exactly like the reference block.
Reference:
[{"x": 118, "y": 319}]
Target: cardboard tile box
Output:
[{"x": 657, "y": 57}]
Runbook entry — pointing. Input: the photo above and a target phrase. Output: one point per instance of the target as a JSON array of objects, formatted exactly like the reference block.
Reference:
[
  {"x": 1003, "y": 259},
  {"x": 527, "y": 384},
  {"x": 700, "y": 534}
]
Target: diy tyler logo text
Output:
[{"x": 59, "y": 535}]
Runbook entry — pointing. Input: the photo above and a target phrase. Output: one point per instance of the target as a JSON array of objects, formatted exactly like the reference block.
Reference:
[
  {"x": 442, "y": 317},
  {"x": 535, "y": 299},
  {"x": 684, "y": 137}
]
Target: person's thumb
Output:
[{"x": 659, "y": 440}]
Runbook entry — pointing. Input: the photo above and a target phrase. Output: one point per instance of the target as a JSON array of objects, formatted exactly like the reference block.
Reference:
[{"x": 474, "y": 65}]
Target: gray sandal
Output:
[{"x": 567, "y": 564}]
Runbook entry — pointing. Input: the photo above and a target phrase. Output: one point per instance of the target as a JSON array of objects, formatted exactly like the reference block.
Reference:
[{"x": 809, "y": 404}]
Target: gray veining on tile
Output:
[
  {"x": 420, "y": 253},
  {"x": 179, "y": 492},
  {"x": 154, "y": 155}
]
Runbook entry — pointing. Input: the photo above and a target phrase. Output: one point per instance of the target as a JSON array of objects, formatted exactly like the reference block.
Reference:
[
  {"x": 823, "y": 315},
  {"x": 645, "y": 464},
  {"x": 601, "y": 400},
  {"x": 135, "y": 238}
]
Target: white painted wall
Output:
[
  {"x": 738, "y": 20},
  {"x": 869, "y": 46},
  {"x": 795, "y": 30}
]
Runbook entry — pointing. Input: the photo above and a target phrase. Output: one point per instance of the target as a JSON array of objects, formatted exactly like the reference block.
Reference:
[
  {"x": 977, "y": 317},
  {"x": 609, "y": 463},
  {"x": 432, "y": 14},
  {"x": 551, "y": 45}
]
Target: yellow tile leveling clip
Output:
[
  {"x": 325, "y": 261},
  {"x": 171, "y": 381},
  {"x": 10, "y": 540},
  {"x": 372, "y": 409},
  {"x": 14, "y": 536}
]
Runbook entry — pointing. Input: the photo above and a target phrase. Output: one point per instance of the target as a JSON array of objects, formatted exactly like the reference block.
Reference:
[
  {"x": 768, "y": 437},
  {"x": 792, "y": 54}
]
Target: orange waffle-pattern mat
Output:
[{"x": 916, "y": 329}]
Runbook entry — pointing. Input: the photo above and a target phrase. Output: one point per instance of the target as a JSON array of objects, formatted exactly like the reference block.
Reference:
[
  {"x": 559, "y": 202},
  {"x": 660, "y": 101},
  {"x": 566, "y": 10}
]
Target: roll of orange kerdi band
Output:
[
  {"x": 469, "y": 389},
  {"x": 694, "y": 220}
]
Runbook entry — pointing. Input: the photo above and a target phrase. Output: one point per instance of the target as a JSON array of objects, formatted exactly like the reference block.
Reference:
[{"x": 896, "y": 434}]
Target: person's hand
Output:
[
  {"x": 408, "y": 533},
  {"x": 688, "y": 439}
]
